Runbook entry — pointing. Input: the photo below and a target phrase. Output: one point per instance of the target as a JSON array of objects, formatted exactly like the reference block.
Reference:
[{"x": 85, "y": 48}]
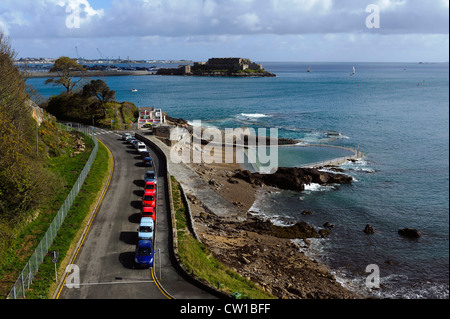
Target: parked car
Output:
[
  {"x": 148, "y": 200},
  {"x": 145, "y": 230},
  {"x": 144, "y": 254},
  {"x": 150, "y": 188},
  {"x": 145, "y": 154},
  {"x": 149, "y": 212},
  {"x": 150, "y": 176},
  {"x": 131, "y": 140},
  {"x": 135, "y": 142},
  {"x": 125, "y": 136},
  {"x": 141, "y": 147},
  {"x": 147, "y": 161}
]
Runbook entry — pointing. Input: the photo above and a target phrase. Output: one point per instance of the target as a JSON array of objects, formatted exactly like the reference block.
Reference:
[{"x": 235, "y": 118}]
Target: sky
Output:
[{"x": 261, "y": 30}]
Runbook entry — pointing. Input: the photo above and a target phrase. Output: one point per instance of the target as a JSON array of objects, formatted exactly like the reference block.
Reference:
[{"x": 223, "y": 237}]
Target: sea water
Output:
[{"x": 395, "y": 113}]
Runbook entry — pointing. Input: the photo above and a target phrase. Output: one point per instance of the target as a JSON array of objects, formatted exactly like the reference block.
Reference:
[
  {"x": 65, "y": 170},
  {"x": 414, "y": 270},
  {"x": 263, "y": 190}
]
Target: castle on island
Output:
[{"x": 219, "y": 67}]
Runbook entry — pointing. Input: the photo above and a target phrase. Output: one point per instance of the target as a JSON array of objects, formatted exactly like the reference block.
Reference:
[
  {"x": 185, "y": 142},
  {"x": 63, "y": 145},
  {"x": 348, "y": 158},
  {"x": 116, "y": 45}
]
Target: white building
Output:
[{"x": 150, "y": 115}]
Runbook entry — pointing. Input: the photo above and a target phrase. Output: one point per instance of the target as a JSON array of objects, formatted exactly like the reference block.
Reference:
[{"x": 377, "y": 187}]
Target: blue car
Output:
[
  {"x": 145, "y": 154},
  {"x": 144, "y": 254},
  {"x": 148, "y": 161},
  {"x": 150, "y": 176}
]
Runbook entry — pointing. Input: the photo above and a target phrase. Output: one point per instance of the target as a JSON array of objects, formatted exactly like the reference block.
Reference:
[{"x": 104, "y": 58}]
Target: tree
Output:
[
  {"x": 100, "y": 90},
  {"x": 13, "y": 95},
  {"x": 67, "y": 69}
]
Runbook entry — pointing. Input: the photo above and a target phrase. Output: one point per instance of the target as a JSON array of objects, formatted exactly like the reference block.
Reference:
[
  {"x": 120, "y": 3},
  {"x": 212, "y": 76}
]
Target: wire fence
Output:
[{"x": 26, "y": 277}]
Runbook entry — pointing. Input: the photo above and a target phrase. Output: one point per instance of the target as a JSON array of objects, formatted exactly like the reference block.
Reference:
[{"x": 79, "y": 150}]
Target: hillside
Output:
[
  {"x": 31, "y": 184},
  {"x": 76, "y": 107}
]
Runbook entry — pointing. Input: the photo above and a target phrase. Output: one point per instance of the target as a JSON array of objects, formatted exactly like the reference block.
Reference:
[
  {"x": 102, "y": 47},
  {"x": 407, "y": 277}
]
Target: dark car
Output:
[
  {"x": 145, "y": 154},
  {"x": 144, "y": 254},
  {"x": 148, "y": 161}
]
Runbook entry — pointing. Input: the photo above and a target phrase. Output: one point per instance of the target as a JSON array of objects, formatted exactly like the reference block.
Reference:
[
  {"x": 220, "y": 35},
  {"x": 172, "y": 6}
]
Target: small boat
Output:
[
  {"x": 353, "y": 72},
  {"x": 309, "y": 69},
  {"x": 134, "y": 90}
]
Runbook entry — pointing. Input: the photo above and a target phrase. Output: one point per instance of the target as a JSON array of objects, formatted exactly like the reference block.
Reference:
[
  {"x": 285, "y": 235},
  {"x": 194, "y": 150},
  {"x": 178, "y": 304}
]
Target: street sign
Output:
[{"x": 55, "y": 260}]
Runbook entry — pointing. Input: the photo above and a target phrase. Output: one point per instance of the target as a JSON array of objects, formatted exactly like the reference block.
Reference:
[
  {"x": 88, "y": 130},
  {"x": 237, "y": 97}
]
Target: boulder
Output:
[
  {"x": 369, "y": 229},
  {"x": 410, "y": 233}
]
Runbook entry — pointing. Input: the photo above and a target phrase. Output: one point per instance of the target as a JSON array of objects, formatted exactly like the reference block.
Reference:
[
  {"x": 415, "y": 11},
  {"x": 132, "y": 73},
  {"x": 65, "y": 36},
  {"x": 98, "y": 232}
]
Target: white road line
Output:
[{"x": 121, "y": 282}]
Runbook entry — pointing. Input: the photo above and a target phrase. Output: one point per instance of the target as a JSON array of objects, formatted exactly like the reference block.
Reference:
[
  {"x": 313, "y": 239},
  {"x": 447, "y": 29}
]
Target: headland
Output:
[{"x": 220, "y": 67}]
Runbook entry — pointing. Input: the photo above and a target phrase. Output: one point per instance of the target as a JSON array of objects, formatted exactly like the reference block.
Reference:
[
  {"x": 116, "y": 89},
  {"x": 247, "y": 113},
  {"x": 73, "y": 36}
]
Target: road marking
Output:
[{"x": 118, "y": 283}]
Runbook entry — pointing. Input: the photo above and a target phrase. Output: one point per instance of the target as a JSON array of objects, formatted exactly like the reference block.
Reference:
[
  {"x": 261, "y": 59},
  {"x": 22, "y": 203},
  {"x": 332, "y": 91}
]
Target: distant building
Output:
[
  {"x": 232, "y": 64},
  {"x": 150, "y": 115},
  {"x": 219, "y": 67},
  {"x": 181, "y": 70}
]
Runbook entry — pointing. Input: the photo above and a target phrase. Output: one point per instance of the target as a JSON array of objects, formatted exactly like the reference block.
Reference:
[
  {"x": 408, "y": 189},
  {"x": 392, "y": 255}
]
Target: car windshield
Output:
[
  {"x": 148, "y": 198},
  {"x": 142, "y": 147},
  {"x": 150, "y": 186},
  {"x": 145, "y": 229},
  {"x": 150, "y": 176},
  {"x": 146, "y": 251}
]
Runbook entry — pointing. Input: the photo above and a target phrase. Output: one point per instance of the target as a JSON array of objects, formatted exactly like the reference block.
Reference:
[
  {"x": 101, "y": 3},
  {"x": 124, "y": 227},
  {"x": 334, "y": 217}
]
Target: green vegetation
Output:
[
  {"x": 200, "y": 262},
  {"x": 250, "y": 71},
  {"x": 39, "y": 164},
  {"x": 44, "y": 283},
  {"x": 93, "y": 104},
  {"x": 67, "y": 69}
]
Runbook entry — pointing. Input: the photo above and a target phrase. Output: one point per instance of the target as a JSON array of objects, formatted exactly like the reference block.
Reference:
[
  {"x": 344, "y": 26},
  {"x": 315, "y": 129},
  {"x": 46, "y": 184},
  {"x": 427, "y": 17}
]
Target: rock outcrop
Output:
[
  {"x": 410, "y": 233},
  {"x": 293, "y": 178}
]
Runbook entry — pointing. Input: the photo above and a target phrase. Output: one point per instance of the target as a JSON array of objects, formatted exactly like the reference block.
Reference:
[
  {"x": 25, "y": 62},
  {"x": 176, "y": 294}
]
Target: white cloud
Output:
[{"x": 174, "y": 18}]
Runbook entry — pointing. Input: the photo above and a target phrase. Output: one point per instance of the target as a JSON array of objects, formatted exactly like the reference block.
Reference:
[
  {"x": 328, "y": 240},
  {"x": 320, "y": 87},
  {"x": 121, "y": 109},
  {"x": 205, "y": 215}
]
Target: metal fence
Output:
[{"x": 26, "y": 277}]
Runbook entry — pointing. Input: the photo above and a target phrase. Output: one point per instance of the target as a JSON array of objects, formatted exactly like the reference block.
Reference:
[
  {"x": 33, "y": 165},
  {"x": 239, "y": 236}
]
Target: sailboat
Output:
[
  {"x": 309, "y": 69},
  {"x": 353, "y": 72}
]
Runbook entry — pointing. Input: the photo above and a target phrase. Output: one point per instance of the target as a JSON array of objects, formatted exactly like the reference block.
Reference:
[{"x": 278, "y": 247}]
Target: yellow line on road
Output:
[{"x": 163, "y": 291}]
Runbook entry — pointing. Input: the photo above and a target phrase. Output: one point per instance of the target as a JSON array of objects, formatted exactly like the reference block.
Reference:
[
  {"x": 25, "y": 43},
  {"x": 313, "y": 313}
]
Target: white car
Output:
[
  {"x": 135, "y": 143},
  {"x": 145, "y": 231},
  {"x": 125, "y": 136},
  {"x": 141, "y": 147}
]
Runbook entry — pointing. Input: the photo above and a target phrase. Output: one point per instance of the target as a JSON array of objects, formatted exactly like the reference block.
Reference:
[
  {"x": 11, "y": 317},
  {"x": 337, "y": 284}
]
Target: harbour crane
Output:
[
  {"x": 80, "y": 60},
  {"x": 101, "y": 55}
]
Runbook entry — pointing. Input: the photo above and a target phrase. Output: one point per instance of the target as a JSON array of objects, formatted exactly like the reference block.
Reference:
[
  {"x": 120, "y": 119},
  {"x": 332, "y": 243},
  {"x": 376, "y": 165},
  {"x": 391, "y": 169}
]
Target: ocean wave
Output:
[
  {"x": 393, "y": 286},
  {"x": 254, "y": 115},
  {"x": 314, "y": 187}
]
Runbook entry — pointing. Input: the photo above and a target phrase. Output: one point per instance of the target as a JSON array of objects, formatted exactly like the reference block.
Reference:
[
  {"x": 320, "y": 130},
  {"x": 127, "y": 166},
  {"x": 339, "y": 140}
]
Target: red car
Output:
[
  {"x": 150, "y": 187},
  {"x": 148, "y": 200},
  {"x": 149, "y": 212}
]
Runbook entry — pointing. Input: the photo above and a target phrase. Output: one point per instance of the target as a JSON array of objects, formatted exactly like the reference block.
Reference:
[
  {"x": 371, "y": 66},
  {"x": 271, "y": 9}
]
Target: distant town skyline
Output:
[{"x": 261, "y": 30}]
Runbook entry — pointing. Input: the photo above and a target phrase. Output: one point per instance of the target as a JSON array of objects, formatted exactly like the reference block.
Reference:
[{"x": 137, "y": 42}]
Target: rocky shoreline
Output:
[{"x": 265, "y": 253}]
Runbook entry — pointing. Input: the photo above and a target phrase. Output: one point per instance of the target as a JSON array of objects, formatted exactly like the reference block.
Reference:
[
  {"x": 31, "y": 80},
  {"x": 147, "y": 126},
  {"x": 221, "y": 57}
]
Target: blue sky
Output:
[{"x": 262, "y": 30}]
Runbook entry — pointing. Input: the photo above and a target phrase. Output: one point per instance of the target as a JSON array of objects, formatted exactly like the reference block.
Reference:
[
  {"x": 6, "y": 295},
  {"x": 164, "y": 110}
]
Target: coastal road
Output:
[{"x": 106, "y": 258}]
